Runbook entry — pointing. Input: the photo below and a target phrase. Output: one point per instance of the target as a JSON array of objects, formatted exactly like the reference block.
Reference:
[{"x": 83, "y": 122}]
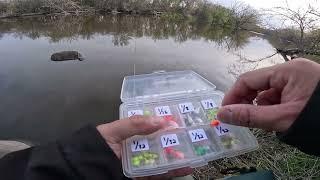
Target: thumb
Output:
[
  {"x": 136, "y": 125},
  {"x": 274, "y": 117}
]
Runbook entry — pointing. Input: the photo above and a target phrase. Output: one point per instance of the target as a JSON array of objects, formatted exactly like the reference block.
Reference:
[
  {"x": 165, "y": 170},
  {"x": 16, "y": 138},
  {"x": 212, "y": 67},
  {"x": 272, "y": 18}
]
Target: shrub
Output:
[
  {"x": 27, "y": 6},
  {"x": 3, "y": 7}
]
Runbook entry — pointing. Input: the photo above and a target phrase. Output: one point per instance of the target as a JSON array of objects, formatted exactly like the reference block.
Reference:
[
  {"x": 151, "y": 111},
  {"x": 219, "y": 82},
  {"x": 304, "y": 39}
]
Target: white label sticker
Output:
[
  {"x": 221, "y": 129},
  {"x": 197, "y": 135},
  {"x": 139, "y": 145},
  {"x": 186, "y": 107},
  {"x": 135, "y": 112},
  {"x": 208, "y": 104},
  {"x": 163, "y": 111},
  {"x": 169, "y": 140}
]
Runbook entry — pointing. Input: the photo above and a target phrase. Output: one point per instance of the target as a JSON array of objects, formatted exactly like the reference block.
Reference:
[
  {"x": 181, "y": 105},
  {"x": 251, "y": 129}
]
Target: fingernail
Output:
[
  {"x": 156, "y": 121},
  {"x": 225, "y": 115}
]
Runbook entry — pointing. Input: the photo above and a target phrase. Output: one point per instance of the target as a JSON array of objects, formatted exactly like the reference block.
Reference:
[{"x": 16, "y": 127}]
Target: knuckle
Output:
[
  {"x": 137, "y": 121},
  {"x": 242, "y": 78},
  {"x": 293, "y": 111},
  {"x": 244, "y": 116},
  {"x": 239, "y": 116},
  {"x": 302, "y": 63},
  {"x": 252, "y": 116},
  {"x": 277, "y": 76}
]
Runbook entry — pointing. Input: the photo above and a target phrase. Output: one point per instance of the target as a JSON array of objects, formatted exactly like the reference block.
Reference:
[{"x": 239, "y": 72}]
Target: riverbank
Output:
[
  {"x": 82, "y": 13},
  {"x": 143, "y": 7},
  {"x": 198, "y": 11}
]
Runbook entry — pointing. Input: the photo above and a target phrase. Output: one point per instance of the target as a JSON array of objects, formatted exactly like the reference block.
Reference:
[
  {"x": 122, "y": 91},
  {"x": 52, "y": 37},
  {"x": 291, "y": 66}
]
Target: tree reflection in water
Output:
[{"x": 122, "y": 28}]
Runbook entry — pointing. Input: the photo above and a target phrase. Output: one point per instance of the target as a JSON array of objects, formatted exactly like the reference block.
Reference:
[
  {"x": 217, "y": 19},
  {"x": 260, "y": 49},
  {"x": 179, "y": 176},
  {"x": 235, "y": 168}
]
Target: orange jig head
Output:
[{"x": 214, "y": 123}]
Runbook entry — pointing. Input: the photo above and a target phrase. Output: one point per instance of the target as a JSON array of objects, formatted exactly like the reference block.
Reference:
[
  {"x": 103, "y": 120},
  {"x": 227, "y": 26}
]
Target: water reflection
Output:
[{"x": 122, "y": 29}]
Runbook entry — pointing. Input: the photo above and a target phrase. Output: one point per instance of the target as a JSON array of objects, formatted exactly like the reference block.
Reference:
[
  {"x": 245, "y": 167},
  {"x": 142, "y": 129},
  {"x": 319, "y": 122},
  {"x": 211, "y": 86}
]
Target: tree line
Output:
[
  {"x": 197, "y": 10},
  {"x": 128, "y": 6}
]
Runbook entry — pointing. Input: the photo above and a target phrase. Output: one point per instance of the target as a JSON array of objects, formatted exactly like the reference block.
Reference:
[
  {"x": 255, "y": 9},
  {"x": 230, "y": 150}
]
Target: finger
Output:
[
  {"x": 135, "y": 125},
  {"x": 269, "y": 97},
  {"x": 247, "y": 86},
  {"x": 274, "y": 117}
]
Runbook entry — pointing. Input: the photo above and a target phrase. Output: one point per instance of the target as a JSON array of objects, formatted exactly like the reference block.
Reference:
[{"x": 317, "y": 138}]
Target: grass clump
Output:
[{"x": 285, "y": 161}]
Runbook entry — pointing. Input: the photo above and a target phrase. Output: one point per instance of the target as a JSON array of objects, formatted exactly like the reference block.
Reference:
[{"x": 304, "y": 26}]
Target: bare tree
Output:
[
  {"x": 246, "y": 17},
  {"x": 63, "y": 6},
  {"x": 298, "y": 29}
]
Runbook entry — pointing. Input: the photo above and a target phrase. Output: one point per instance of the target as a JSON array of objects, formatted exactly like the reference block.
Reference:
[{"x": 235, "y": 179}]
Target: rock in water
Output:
[{"x": 66, "y": 56}]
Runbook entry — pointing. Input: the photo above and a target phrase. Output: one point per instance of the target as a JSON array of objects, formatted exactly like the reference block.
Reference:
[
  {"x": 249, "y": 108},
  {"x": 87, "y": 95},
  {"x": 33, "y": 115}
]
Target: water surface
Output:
[{"x": 42, "y": 100}]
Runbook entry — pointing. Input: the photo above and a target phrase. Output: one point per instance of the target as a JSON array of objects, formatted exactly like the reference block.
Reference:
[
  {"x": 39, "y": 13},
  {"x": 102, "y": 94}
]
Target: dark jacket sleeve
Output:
[
  {"x": 84, "y": 155},
  {"x": 304, "y": 132}
]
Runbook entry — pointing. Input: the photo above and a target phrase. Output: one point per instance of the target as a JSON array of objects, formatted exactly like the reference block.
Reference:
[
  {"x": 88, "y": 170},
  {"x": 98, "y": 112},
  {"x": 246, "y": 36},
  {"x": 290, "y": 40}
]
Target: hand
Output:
[
  {"x": 115, "y": 132},
  {"x": 281, "y": 92}
]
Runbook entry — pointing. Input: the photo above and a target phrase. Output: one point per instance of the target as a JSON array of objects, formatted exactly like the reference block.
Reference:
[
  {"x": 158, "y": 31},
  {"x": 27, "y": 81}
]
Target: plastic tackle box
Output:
[{"x": 188, "y": 103}]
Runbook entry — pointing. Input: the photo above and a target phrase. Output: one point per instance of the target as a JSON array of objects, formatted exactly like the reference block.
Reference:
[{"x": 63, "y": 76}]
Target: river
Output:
[{"x": 41, "y": 100}]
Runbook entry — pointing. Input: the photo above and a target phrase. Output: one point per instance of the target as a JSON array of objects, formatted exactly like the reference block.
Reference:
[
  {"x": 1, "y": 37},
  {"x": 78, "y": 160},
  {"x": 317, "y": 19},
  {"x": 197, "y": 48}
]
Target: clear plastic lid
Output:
[
  {"x": 163, "y": 85},
  {"x": 193, "y": 135}
]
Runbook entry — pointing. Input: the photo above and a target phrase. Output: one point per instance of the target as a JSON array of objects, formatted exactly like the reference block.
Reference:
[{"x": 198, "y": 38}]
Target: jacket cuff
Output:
[
  {"x": 304, "y": 132},
  {"x": 90, "y": 156}
]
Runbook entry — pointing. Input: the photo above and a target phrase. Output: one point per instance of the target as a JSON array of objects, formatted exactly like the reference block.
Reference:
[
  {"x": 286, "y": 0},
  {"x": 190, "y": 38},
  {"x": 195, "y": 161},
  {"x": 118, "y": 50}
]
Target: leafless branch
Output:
[{"x": 244, "y": 59}]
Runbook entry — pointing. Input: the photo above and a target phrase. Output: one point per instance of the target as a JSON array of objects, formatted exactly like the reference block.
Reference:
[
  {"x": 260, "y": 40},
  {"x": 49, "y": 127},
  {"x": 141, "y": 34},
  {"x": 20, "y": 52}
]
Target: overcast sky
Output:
[{"x": 258, "y": 4}]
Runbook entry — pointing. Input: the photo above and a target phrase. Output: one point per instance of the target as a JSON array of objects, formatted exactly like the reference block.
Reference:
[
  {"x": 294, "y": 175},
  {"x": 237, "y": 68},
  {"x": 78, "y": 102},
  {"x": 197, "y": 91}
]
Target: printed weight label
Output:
[
  {"x": 169, "y": 140},
  {"x": 208, "y": 104},
  {"x": 186, "y": 107},
  {"x": 163, "y": 111},
  {"x": 135, "y": 112},
  {"x": 139, "y": 145},
  {"x": 221, "y": 129},
  {"x": 197, "y": 135}
]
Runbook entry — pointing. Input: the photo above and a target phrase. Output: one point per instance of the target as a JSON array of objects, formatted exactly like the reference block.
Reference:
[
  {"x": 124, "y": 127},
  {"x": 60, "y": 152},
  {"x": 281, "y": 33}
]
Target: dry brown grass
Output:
[{"x": 285, "y": 161}]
